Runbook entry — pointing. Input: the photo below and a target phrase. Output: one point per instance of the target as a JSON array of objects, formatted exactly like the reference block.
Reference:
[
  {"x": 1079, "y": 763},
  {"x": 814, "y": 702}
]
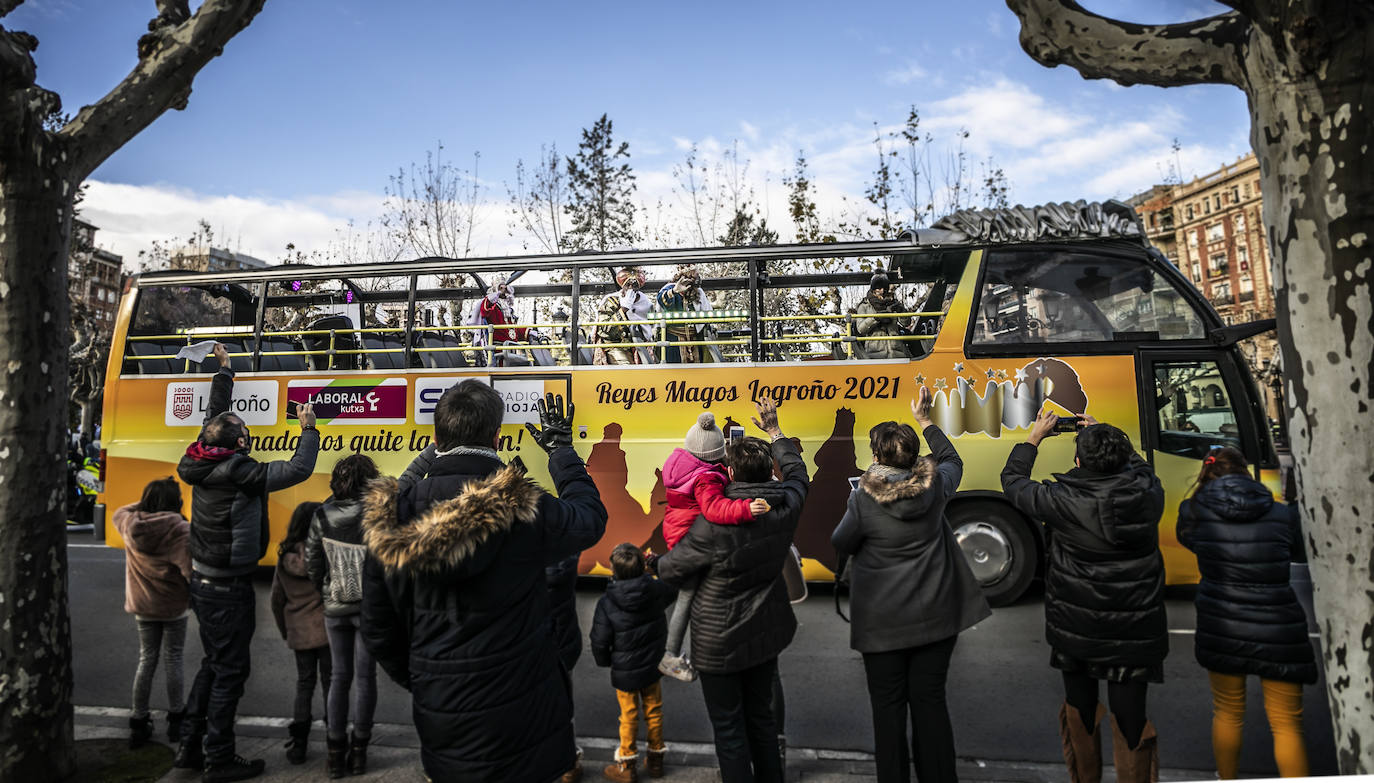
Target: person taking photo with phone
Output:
[{"x": 1104, "y": 590}]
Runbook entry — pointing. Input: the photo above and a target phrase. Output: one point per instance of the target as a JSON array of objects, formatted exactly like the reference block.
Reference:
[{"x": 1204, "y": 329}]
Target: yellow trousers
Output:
[
  {"x": 1283, "y": 705},
  {"x": 652, "y": 700}
]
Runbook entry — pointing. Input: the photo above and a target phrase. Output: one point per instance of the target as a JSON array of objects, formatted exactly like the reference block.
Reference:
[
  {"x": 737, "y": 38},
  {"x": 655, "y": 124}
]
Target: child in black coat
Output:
[{"x": 629, "y": 634}]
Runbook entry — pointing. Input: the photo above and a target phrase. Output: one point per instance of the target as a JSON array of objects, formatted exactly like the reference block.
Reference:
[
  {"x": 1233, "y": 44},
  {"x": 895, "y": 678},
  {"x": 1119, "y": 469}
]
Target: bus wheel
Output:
[{"x": 998, "y": 546}]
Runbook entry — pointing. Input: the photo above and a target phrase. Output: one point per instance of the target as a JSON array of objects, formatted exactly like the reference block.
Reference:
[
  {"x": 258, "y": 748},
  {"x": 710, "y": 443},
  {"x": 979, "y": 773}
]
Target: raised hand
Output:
[
  {"x": 555, "y": 430},
  {"x": 767, "y": 420},
  {"x": 920, "y": 407},
  {"x": 221, "y": 353},
  {"x": 305, "y": 412},
  {"x": 1043, "y": 427}
]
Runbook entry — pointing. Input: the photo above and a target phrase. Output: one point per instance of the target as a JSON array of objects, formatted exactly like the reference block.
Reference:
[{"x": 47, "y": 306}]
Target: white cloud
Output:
[{"x": 907, "y": 74}]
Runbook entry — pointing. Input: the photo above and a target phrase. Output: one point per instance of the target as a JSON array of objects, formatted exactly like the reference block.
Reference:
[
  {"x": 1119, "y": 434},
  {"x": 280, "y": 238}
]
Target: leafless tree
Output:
[
  {"x": 40, "y": 172},
  {"x": 538, "y": 201},
  {"x": 432, "y": 210},
  {"x": 1304, "y": 68}
]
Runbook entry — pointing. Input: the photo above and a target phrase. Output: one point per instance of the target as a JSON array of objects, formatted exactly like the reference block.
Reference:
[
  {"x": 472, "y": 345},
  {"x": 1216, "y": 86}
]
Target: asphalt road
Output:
[{"x": 1003, "y": 695}]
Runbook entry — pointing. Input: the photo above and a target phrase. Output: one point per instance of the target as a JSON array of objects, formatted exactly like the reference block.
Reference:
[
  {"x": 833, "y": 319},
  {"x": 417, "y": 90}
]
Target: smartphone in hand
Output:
[{"x": 1068, "y": 424}]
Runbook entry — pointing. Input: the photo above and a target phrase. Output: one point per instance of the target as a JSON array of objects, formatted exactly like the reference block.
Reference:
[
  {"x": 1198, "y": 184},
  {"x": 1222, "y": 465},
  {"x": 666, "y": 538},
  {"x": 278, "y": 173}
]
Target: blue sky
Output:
[{"x": 296, "y": 128}]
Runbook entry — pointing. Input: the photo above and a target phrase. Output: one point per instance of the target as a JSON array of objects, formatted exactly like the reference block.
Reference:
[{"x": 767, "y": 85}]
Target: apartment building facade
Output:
[{"x": 94, "y": 275}]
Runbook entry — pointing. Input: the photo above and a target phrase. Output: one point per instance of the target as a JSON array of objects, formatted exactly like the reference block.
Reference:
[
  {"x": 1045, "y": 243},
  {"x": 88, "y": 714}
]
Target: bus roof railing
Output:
[{"x": 1065, "y": 222}]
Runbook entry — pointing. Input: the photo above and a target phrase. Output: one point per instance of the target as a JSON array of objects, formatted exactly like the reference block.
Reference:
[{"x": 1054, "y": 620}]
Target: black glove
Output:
[{"x": 555, "y": 430}]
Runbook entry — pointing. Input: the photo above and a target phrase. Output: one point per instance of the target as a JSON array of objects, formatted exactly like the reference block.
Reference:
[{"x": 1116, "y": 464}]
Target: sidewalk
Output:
[{"x": 394, "y": 756}]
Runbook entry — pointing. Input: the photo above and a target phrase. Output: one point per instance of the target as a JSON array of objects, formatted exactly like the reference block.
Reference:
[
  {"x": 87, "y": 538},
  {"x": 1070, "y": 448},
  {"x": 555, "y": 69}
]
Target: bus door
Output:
[{"x": 1191, "y": 402}]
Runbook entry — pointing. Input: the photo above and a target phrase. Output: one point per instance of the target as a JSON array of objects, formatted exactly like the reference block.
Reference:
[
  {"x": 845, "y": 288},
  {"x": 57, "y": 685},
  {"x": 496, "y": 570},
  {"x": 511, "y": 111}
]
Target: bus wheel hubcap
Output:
[{"x": 988, "y": 551}]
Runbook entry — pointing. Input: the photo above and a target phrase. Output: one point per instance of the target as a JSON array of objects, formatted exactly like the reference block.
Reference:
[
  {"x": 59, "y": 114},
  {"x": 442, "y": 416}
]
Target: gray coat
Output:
[
  {"x": 879, "y": 327},
  {"x": 909, "y": 582}
]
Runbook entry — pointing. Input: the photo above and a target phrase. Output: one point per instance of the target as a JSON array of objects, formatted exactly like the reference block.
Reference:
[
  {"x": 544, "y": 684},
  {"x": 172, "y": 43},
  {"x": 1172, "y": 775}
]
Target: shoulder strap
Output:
[{"x": 841, "y": 581}]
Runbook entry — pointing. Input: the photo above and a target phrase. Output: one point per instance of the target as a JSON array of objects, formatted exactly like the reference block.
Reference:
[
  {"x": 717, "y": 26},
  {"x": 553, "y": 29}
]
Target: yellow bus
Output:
[{"x": 998, "y": 315}]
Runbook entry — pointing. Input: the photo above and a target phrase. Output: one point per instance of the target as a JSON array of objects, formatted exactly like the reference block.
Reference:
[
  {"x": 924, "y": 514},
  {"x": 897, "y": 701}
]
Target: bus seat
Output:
[
  {"x": 157, "y": 348},
  {"x": 442, "y": 359},
  {"x": 510, "y": 359},
  {"x": 344, "y": 343},
  {"x": 393, "y": 359},
  {"x": 588, "y": 356},
  {"x": 292, "y": 363},
  {"x": 542, "y": 356},
  {"x": 713, "y": 353}
]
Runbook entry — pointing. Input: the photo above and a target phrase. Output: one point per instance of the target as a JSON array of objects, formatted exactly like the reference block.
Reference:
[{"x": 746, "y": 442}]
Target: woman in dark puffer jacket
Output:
[
  {"x": 913, "y": 593},
  {"x": 1248, "y": 619}
]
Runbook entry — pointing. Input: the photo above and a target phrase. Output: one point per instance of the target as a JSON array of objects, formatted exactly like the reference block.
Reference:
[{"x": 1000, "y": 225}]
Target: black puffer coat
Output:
[
  {"x": 1104, "y": 584},
  {"x": 561, "y": 579},
  {"x": 741, "y": 616},
  {"x": 334, "y": 555},
  {"x": 629, "y": 632},
  {"x": 1248, "y": 619},
  {"x": 910, "y": 583},
  {"x": 456, "y": 609}
]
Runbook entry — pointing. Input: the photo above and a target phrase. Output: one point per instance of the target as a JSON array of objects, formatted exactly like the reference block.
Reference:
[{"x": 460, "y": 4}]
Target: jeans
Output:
[
  {"x": 227, "y": 611},
  {"x": 1126, "y": 700},
  {"x": 167, "y": 638},
  {"x": 652, "y": 699},
  {"x": 682, "y": 611},
  {"x": 350, "y": 659},
  {"x": 912, "y": 681},
  {"x": 741, "y": 711},
  {"x": 308, "y": 662},
  {"x": 1283, "y": 705}
]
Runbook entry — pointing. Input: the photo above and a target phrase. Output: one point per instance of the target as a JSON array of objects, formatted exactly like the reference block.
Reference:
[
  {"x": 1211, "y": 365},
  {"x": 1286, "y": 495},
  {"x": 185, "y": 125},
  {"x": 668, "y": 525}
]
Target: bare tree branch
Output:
[
  {"x": 170, "y": 56},
  {"x": 9, "y": 5},
  {"x": 1062, "y": 32}
]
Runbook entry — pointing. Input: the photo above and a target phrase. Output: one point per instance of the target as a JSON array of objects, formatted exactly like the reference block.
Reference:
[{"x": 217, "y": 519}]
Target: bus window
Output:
[
  {"x": 167, "y": 318},
  {"x": 1194, "y": 408},
  {"x": 1071, "y": 296}
]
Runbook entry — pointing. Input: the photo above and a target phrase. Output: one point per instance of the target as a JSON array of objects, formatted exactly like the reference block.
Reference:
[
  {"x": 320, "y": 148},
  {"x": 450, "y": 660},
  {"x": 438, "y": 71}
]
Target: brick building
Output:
[
  {"x": 94, "y": 275},
  {"x": 1212, "y": 229}
]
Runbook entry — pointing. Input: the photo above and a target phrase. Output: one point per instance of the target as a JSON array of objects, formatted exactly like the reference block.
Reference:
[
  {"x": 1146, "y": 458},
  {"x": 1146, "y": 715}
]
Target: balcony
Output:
[
  {"x": 1246, "y": 296},
  {"x": 1223, "y": 301},
  {"x": 1218, "y": 271}
]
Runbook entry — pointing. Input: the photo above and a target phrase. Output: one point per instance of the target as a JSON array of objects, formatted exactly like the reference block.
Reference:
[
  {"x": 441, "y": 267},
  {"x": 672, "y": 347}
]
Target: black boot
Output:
[
  {"x": 357, "y": 754},
  {"x": 336, "y": 765},
  {"x": 236, "y": 768},
  {"x": 140, "y": 731},
  {"x": 191, "y": 751},
  {"x": 300, "y": 737},
  {"x": 174, "y": 721}
]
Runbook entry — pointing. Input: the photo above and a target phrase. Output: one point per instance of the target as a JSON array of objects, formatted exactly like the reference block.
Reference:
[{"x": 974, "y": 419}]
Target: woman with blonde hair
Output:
[{"x": 1249, "y": 621}]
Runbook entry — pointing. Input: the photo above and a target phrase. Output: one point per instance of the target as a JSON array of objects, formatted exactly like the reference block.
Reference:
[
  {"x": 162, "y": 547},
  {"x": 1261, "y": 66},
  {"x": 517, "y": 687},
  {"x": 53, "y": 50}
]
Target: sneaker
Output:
[
  {"x": 236, "y": 768},
  {"x": 677, "y": 667}
]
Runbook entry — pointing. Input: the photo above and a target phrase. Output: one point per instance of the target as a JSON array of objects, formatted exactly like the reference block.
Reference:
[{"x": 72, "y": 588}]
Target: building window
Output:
[
  {"x": 1192, "y": 239},
  {"x": 1240, "y": 222},
  {"x": 1206, "y": 206},
  {"x": 1235, "y": 194},
  {"x": 1216, "y": 232},
  {"x": 1217, "y": 198},
  {"x": 1246, "y": 189},
  {"x": 1216, "y": 265},
  {"x": 1189, "y": 210},
  {"x": 1243, "y": 258}
]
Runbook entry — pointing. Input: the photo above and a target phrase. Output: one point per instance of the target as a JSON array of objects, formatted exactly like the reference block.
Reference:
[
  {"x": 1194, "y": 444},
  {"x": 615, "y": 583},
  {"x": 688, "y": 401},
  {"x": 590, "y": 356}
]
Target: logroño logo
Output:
[{"x": 254, "y": 401}]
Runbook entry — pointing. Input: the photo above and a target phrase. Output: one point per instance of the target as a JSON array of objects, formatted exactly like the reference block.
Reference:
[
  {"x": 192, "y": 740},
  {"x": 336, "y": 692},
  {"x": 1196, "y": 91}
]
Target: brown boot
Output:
[
  {"x": 1139, "y": 764},
  {"x": 622, "y": 771},
  {"x": 1082, "y": 748},
  {"x": 653, "y": 763}
]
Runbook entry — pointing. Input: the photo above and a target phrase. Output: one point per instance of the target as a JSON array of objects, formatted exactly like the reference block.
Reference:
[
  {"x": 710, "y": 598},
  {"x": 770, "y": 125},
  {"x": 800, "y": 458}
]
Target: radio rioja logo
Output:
[
  {"x": 350, "y": 400},
  {"x": 254, "y": 401}
]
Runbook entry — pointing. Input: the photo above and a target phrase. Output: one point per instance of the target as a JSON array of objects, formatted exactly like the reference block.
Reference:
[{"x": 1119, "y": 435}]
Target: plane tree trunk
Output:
[
  {"x": 1304, "y": 67},
  {"x": 40, "y": 169}
]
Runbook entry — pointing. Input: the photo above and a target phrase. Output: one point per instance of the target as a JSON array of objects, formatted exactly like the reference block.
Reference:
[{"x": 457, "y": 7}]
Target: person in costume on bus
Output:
[
  {"x": 1249, "y": 620},
  {"x": 684, "y": 294},
  {"x": 1104, "y": 591},
  {"x": 498, "y": 308},
  {"x": 630, "y": 303},
  {"x": 912, "y": 593},
  {"x": 879, "y": 301}
]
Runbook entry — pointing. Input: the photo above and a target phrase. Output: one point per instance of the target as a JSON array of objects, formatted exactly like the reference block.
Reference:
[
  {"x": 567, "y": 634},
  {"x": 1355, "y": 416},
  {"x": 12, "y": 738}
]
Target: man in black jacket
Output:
[
  {"x": 229, "y": 535},
  {"x": 455, "y": 603},
  {"x": 1104, "y": 590},
  {"x": 741, "y": 617}
]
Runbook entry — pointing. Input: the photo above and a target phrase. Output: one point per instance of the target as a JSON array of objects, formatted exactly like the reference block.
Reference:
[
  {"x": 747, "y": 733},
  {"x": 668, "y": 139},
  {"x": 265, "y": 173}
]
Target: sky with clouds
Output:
[{"x": 295, "y": 130}]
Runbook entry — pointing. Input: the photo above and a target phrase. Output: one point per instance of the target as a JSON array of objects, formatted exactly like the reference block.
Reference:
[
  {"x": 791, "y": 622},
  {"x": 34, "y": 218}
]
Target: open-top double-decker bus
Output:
[{"x": 999, "y": 312}]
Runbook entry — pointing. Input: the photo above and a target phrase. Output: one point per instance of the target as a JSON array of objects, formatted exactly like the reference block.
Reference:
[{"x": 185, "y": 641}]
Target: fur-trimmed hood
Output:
[
  {"x": 887, "y": 486},
  {"x": 451, "y": 534}
]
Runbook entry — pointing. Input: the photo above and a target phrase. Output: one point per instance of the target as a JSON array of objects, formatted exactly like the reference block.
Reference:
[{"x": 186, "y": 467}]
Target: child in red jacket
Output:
[{"x": 695, "y": 480}]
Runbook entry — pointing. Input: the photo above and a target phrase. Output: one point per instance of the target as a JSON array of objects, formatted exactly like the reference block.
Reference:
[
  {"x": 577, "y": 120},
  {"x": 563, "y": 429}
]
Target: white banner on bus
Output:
[
  {"x": 520, "y": 397},
  {"x": 254, "y": 401}
]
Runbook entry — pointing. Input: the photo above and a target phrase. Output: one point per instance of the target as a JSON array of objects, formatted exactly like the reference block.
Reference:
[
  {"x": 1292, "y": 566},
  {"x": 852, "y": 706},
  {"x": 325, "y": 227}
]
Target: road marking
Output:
[
  {"x": 89, "y": 546},
  {"x": 1193, "y": 631}
]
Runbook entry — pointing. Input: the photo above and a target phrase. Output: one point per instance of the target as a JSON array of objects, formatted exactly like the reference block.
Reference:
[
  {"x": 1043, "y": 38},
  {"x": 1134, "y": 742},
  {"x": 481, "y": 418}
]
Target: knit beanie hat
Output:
[
  {"x": 705, "y": 440},
  {"x": 878, "y": 280}
]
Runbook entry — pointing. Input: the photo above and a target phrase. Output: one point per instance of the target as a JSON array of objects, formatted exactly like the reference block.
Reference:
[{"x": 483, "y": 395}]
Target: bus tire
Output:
[{"x": 998, "y": 545}]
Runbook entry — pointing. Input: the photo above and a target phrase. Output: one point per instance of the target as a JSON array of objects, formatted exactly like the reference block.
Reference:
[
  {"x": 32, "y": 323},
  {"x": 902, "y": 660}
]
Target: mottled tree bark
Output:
[
  {"x": 39, "y": 173},
  {"x": 1304, "y": 67}
]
